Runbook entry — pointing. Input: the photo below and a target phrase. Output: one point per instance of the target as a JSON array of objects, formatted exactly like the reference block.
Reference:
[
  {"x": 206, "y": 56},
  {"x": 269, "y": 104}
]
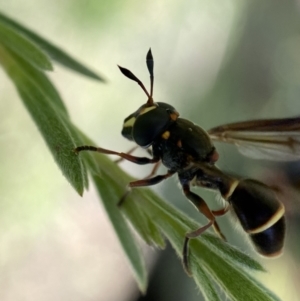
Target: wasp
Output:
[{"x": 187, "y": 150}]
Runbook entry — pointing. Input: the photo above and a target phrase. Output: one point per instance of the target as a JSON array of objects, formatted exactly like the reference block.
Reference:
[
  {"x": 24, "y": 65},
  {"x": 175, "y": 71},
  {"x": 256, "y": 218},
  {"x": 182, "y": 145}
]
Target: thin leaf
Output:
[
  {"x": 110, "y": 193},
  {"x": 54, "y": 52},
  {"x": 49, "y": 119},
  {"x": 206, "y": 285},
  {"x": 237, "y": 284},
  {"x": 209, "y": 260},
  {"x": 110, "y": 182},
  {"x": 233, "y": 254},
  {"x": 39, "y": 79},
  {"x": 141, "y": 221},
  {"x": 24, "y": 47},
  {"x": 143, "y": 224}
]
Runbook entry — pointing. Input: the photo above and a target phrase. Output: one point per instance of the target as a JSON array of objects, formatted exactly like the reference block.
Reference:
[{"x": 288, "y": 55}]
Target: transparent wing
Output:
[{"x": 271, "y": 139}]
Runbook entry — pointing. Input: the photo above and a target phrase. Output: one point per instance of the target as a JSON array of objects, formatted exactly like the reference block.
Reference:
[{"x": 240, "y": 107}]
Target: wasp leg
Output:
[
  {"x": 155, "y": 167},
  {"x": 151, "y": 181},
  {"x": 203, "y": 208},
  {"x": 221, "y": 211},
  {"x": 128, "y": 153},
  {"x": 131, "y": 151},
  {"x": 137, "y": 160},
  {"x": 154, "y": 170},
  {"x": 145, "y": 182},
  {"x": 123, "y": 198},
  {"x": 185, "y": 251}
]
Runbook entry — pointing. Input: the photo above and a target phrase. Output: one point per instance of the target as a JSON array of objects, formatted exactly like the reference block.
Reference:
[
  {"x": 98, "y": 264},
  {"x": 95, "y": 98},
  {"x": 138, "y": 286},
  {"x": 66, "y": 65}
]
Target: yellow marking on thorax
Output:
[
  {"x": 166, "y": 135},
  {"x": 174, "y": 115}
]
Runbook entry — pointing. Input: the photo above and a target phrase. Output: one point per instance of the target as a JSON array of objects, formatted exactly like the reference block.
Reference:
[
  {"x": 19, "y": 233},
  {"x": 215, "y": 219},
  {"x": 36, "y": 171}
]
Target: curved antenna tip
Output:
[
  {"x": 128, "y": 74},
  {"x": 149, "y": 55},
  {"x": 150, "y": 66}
]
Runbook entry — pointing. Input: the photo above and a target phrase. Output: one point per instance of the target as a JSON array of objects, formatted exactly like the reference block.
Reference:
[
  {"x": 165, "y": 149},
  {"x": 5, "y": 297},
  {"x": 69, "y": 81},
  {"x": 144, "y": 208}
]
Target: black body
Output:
[
  {"x": 186, "y": 149},
  {"x": 186, "y": 143}
]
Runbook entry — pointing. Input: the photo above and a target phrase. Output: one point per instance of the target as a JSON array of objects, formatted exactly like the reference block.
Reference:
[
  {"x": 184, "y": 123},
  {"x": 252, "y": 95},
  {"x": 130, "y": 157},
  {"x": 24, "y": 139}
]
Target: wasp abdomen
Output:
[
  {"x": 270, "y": 241},
  {"x": 261, "y": 215}
]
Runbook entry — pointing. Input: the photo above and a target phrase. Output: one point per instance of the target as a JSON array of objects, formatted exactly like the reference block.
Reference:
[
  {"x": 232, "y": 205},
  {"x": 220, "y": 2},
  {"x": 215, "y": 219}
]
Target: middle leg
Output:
[{"x": 145, "y": 182}]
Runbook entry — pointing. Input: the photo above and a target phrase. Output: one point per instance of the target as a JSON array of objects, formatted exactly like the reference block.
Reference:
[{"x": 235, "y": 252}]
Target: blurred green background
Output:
[{"x": 216, "y": 62}]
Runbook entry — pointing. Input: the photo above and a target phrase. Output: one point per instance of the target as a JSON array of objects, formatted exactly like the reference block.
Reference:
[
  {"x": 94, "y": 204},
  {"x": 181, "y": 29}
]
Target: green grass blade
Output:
[
  {"x": 54, "y": 52},
  {"x": 145, "y": 227},
  {"x": 21, "y": 45},
  {"x": 111, "y": 182},
  {"x": 206, "y": 285},
  {"x": 40, "y": 80},
  {"x": 110, "y": 193},
  {"x": 211, "y": 260},
  {"x": 233, "y": 254},
  {"x": 236, "y": 283},
  {"x": 48, "y": 118}
]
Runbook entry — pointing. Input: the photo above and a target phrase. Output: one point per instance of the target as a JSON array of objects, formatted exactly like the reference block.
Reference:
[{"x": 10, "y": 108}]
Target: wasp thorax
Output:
[{"x": 148, "y": 123}]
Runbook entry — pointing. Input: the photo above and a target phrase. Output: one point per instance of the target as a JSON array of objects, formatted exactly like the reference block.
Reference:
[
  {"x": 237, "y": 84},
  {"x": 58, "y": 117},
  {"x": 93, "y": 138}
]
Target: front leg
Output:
[
  {"x": 155, "y": 167},
  {"x": 128, "y": 153},
  {"x": 134, "y": 159}
]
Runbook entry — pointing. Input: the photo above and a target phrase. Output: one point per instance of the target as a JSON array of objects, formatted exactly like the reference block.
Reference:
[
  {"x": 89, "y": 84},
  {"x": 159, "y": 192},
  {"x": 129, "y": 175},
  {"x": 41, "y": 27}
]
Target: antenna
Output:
[
  {"x": 131, "y": 76},
  {"x": 150, "y": 65}
]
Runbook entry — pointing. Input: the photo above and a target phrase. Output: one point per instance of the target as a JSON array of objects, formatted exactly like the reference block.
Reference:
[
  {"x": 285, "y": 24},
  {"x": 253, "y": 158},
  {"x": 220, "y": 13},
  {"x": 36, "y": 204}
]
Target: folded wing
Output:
[{"x": 270, "y": 139}]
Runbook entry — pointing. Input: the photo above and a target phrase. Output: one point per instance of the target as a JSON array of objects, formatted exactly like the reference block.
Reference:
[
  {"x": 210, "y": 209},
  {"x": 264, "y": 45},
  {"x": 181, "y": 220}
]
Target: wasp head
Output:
[
  {"x": 151, "y": 119},
  {"x": 146, "y": 124}
]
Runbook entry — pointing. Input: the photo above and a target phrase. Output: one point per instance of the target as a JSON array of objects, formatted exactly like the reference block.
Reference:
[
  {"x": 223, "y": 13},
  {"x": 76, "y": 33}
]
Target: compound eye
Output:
[
  {"x": 129, "y": 123},
  {"x": 150, "y": 125}
]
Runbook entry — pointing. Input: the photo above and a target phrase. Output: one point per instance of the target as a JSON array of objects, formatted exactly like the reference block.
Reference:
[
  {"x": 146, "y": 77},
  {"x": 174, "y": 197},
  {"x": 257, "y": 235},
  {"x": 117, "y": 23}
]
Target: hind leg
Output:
[{"x": 204, "y": 209}]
